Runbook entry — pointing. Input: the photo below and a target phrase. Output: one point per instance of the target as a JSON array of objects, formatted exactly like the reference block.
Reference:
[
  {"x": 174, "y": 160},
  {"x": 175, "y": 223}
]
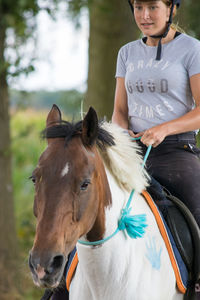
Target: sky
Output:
[{"x": 62, "y": 52}]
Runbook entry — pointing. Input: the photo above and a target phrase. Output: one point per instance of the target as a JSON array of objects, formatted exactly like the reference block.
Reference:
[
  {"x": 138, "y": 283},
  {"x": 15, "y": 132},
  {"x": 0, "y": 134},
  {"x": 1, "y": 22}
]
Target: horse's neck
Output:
[
  {"x": 119, "y": 200},
  {"x": 114, "y": 269},
  {"x": 107, "y": 262}
]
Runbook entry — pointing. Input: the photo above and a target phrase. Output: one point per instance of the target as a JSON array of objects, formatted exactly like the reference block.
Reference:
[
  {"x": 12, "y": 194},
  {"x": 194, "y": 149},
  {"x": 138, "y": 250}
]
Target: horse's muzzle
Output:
[{"x": 47, "y": 270}]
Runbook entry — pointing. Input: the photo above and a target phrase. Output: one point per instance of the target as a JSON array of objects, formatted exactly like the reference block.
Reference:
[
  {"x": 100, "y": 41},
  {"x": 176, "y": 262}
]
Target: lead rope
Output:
[{"x": 134, "y": 225}]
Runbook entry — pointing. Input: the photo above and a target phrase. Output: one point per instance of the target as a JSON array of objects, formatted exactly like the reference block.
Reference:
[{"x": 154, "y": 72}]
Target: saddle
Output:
[{"x": 184, "y": 230}]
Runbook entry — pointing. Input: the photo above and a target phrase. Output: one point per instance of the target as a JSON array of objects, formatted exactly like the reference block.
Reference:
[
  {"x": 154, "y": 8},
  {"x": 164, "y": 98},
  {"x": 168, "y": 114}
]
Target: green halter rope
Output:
[{"x": 134, "y": 225}]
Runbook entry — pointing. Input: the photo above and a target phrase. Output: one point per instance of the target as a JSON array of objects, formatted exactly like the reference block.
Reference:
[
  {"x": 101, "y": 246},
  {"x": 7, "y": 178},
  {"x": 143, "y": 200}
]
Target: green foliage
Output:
[
  {"x": 75, "y": 6},
  {"x": 198, "y": 139},
  {"x": 191, "y": 16},
  {"x": 18, "y": 24},
  {"x": 68, "y": 101},
  {"x": 26, "y": 149}
]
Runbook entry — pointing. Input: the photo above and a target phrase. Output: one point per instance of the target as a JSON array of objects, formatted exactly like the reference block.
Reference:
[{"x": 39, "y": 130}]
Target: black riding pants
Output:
[{"x": 175, "y": 164}]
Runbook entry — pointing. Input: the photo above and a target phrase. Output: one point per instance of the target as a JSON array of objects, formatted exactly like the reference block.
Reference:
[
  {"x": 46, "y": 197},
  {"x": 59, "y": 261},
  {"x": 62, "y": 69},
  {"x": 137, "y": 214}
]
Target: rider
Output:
[{"x": 158, "y": 98}]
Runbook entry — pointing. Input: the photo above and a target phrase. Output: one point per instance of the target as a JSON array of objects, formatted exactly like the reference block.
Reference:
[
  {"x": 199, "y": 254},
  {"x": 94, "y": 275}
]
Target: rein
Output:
[{"x": 134, "y": 225}]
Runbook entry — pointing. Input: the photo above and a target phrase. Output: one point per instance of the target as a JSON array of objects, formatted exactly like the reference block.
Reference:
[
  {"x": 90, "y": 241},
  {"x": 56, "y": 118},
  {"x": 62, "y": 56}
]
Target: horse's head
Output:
[{"x": 71, "y": 193}]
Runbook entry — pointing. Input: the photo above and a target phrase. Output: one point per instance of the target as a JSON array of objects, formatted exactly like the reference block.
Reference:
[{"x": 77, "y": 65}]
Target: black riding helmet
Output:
[{"x": 159, "y": 50}]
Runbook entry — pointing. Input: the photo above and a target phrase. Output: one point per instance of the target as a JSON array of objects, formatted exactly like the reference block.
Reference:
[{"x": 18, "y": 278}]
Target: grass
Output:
[{"x": 26, "y": 149}]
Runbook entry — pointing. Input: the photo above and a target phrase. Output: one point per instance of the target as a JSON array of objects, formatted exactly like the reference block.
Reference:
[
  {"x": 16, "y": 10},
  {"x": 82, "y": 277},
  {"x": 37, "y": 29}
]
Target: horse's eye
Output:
[
  {"x": 33, "y": 179},
  {"x": 85, "y": 184}
]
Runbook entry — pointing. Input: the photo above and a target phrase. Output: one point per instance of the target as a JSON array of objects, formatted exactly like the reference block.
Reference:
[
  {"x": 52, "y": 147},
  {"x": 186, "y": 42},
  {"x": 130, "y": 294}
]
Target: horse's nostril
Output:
[
  {"x": 30, "y": 262},
  {"x": 57, "y": 263}
]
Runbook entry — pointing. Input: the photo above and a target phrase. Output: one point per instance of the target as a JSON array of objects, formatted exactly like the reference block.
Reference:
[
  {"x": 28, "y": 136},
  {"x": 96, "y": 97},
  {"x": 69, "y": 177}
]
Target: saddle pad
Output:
[
  {"x": 178, "y": 265},
  {"x": 71, "y": 267},
  {"x": 180, "y": 270}
]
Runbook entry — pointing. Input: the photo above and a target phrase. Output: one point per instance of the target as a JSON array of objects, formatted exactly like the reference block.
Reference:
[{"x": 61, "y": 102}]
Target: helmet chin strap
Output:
[{"x": 161, "y": 36}]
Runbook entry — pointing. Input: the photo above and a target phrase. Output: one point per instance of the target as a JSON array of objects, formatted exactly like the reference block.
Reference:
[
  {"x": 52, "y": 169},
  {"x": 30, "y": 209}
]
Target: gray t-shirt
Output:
[{"x": 158, "y": 91}]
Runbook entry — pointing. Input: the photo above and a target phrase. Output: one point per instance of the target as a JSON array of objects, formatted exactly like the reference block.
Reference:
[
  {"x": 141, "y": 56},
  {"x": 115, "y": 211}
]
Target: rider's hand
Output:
[
  {"x": 132, "y": 134},
  {"x": 153, "y": 136}
]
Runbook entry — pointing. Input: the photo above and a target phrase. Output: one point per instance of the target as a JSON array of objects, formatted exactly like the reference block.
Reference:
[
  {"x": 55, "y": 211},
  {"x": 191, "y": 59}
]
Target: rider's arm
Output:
[{"x": 120, "y": 112}]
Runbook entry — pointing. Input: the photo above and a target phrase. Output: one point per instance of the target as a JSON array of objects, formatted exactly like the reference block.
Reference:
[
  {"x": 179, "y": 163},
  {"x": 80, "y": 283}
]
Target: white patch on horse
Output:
[
  {"x": 124, "y": 160},
  {"x": 88, "y": 152},
  {"x": 65, "y": 170}
]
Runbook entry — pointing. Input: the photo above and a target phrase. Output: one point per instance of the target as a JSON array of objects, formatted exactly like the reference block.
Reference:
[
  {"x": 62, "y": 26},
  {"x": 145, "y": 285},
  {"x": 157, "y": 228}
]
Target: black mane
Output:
[{"x": 68, "y": 130}]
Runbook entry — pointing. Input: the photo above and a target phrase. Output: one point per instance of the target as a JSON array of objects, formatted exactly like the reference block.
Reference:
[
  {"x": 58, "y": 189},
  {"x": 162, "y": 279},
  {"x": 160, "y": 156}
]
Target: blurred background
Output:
[{"x": 52, "y": 51}]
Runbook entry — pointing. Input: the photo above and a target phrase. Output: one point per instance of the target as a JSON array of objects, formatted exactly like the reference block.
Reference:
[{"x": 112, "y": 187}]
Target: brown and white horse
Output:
[{"x": 82, "y": 181}]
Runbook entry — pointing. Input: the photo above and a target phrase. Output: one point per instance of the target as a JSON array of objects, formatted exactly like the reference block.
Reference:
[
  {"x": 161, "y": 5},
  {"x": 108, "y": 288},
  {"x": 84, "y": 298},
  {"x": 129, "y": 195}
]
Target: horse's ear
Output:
[
  {"x": 90, "y": 127},
  {"x": 54, "y": 116}
]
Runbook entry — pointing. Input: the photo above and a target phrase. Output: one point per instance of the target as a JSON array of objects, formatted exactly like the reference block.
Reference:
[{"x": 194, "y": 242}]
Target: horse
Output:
[{"x": 83, "y": 181}]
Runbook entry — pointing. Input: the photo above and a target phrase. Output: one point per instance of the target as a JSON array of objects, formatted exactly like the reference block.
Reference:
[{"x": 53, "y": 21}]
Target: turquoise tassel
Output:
[{"x": 134, "y": 225}]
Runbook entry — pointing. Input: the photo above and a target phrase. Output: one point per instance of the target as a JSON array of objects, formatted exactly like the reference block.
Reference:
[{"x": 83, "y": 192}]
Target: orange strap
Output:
[
  {"x": 165, "y": 237},
  {"x": 71, "y": 270}
]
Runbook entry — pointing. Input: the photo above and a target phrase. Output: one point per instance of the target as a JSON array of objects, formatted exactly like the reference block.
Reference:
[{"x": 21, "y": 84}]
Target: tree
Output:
[
  {"x": 111, "y": 26},
  {"x": 17, "y": 25}
]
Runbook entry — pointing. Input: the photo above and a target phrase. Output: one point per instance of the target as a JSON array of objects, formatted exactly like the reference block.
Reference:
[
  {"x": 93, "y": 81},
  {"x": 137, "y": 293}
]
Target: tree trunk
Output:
[
  {"x": 8, "y": 241},
  {"x": 111, "y": 26}
]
